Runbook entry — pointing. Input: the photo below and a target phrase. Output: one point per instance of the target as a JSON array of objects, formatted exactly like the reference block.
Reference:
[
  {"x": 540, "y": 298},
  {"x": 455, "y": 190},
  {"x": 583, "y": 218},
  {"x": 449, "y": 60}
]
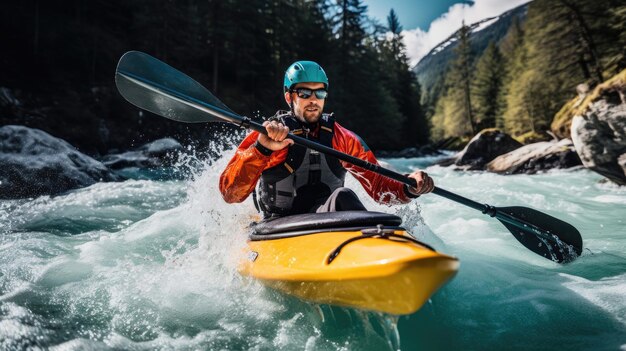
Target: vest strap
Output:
[
  {"x": 306, "y": 176},
  {"x": 289, "y": 168}
]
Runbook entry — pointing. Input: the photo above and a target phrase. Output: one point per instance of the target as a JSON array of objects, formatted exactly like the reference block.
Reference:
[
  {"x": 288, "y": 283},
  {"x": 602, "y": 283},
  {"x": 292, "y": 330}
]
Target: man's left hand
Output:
[{"x": 425, "y": 184}]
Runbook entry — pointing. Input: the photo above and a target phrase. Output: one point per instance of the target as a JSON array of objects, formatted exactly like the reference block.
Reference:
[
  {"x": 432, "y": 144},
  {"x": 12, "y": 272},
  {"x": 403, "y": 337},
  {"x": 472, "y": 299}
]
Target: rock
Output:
[
  {"x": 34, "y": 163},
  {"x": 600, "y": 138},
  {"x": 484, "y": 147},
  {"x": 535, "y": 137},
  {"x": 612, "y": 90},
  {"x": 562, "y": 122},
  {"x": 536, "y": 157},
  {"x": 622, "y": 162},
  {"x": 159, "y": 153},
  {"x": 7, "y": 99}
]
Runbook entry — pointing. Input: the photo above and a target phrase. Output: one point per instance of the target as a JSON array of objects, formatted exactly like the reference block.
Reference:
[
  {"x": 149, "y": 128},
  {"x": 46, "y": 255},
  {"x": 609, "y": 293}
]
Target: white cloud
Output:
[{"x": 419, "y": 42}]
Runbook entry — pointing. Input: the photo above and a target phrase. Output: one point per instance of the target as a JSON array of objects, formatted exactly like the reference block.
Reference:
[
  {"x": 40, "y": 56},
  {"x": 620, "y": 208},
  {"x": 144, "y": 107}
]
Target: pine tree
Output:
[
  {"x": 487, "y": 87},
  {"x": 514, "y": 61},
  {"x": 463, "y": 66},
  {"x": 401, "y": 81},
  {"x": 609, "y": 32},
  {"x": 558, "y": 54},
  {"x": 453, "y": 112},
  {"x": 360, "y": 101}
]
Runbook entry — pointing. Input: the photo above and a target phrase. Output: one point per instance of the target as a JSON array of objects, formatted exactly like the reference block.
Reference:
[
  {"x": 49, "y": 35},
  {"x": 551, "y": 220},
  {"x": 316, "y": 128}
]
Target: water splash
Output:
[{"x": 148, "y": 265}]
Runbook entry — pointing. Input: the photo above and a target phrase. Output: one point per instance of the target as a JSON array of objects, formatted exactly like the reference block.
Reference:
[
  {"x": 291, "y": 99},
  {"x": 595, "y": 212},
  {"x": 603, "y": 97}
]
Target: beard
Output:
[{"x": 311, "y": 116}]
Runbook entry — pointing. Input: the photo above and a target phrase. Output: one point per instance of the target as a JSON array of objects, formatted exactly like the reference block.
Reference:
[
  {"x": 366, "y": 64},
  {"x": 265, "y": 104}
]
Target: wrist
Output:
[
  {"x": 262, "y": 149},
  {"x": 409, "y": 193}
]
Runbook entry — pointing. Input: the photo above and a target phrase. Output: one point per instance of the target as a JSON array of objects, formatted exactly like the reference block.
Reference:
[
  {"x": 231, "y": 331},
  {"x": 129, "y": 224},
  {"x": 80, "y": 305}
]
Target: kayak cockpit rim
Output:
[{"x": 261, "y": 237}]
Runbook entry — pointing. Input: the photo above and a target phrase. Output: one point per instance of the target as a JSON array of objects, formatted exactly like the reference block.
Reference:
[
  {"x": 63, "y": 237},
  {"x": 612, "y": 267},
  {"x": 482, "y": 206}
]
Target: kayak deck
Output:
[{"x": 388, "y": 274}]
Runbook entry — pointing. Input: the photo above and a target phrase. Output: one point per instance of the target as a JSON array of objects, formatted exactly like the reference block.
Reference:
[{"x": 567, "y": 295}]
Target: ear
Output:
[{"x": 288, "y": 98}]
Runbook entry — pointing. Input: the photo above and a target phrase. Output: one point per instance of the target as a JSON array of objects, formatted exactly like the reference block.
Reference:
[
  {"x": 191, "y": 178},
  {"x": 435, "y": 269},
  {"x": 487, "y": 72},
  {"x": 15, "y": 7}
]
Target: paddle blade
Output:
[
  {"x": 155, "y": 86},
  {"x": 543, "y": 234}
]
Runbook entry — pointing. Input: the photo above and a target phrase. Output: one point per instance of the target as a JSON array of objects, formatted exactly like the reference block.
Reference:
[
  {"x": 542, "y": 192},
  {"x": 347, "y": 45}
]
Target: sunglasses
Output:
[{"x": 305, "y": 93}]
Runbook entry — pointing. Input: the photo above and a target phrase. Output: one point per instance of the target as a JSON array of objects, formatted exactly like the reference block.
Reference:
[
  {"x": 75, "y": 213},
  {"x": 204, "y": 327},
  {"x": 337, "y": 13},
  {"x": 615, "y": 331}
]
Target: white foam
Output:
[
  {"x": 607, "y": 293},
  {"x": 611, "y": 199}
]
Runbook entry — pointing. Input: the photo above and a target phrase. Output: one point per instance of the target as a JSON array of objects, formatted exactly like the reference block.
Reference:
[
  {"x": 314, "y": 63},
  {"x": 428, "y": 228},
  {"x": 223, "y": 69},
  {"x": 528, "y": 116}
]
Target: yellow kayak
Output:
[{"x": 351, "y": 258}]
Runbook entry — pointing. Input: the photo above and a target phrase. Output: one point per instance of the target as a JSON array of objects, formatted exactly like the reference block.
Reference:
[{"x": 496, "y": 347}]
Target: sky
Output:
[{"x": 426, "y": 23}]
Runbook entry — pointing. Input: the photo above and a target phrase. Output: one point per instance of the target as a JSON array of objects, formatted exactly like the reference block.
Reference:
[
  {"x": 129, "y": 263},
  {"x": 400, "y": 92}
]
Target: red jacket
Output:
[{"x": 244, "y": 170}]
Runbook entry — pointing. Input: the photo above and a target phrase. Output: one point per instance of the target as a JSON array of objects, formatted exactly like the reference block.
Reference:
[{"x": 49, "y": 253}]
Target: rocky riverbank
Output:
[
  {"x": 590, "y": 130},
  {"x": 35, "y": 163}
]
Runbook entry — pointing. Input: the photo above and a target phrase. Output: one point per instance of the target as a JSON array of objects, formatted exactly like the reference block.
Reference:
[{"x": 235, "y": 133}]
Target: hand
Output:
[
  {"x": 275, "y": 138},
  {"x": 425, "y": 184}
]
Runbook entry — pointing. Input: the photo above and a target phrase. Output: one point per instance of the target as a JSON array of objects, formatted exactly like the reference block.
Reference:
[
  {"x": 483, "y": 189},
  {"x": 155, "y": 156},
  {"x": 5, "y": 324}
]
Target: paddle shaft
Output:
[
  {"x": 247, "y": 123},
  {"x": 157, "y": 87}
]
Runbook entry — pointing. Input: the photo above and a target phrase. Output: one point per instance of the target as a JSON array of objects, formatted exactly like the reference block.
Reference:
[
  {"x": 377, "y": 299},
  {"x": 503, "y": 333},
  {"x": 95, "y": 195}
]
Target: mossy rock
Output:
[
  {"x": 533, "y": 137},
  {"x": 452, "y": 143},
  {"x": 458, "y": 144},
  {"x": 612, "y": 90}
]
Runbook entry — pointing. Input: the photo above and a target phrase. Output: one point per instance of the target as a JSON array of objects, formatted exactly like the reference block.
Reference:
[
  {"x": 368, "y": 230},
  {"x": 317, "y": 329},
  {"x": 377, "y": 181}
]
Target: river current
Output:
[{"x": 148, "y": 264}]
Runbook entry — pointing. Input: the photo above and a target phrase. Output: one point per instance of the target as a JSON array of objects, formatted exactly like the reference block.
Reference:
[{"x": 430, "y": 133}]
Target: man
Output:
[{"x": 294, "y": 179}]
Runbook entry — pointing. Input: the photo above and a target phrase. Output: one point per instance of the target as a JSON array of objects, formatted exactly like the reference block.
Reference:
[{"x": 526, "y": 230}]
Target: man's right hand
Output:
[{"x": 275, "y": 138}]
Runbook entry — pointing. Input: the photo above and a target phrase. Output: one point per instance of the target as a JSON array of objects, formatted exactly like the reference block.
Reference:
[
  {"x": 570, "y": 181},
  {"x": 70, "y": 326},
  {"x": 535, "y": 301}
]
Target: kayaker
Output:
[{"x": 293, "y": 179}]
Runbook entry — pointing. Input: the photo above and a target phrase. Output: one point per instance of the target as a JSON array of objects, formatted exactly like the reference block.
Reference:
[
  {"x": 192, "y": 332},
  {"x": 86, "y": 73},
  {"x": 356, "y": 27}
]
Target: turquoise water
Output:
[{"x": 146, "y": 265}]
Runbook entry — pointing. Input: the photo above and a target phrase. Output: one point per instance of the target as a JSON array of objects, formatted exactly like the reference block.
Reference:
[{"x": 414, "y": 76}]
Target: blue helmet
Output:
[{"x": 304, "y": 72}]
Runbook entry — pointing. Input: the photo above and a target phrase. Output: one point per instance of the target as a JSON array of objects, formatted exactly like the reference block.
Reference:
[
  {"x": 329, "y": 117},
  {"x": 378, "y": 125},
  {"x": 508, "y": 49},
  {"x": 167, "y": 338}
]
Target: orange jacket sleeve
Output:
[
  {"x": 243, "y": 171},
  {"x": 380, "y": 188}
]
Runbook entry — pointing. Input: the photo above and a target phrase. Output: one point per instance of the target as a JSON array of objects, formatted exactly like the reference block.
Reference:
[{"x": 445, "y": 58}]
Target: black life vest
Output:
[{"x": 306, "y": 178}]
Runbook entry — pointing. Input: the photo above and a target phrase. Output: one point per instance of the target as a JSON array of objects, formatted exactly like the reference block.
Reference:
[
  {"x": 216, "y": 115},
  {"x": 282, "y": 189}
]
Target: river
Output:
[{"x": 147, "y": 264}]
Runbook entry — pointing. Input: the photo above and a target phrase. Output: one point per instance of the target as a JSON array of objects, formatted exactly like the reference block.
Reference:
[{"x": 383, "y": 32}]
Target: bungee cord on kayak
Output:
[{"x": 379, "y": 232}]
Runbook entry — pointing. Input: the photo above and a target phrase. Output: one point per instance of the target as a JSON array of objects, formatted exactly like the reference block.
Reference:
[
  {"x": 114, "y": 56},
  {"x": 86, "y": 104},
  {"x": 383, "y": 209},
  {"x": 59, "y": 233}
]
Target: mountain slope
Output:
[{"x": 431, "y": 68}]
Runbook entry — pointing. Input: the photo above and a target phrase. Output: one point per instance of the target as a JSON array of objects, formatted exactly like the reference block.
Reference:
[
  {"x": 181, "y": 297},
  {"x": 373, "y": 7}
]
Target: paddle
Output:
[{"x": 154, "y": 86}]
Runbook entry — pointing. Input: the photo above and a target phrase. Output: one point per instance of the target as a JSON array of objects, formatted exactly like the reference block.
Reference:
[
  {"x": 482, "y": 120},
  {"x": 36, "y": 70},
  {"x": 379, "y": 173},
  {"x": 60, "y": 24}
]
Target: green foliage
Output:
[
  {"x": 238, "y": 49},
  {"x": 400, "y": 81},
  {"x": 520, "y": 82},
  {"x": 514, "y": 60},
  {"x": 560, "y": 51},
  {"x": 578, "y": 106},
  {"x": 533, "y": 137},
  {"x": 360, "y": 102},
  {"x": 374, "y": 93},
  {"x": 611, "y": 37},
  {"x": 454, "y": 112},
  {"x": 431, "y": 70},
  {"x": 486, "y": 87}
]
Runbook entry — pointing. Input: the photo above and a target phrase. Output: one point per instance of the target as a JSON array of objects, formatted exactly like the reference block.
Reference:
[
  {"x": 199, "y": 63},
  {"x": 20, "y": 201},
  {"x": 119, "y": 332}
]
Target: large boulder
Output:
[
  {"x": 536, "y": 157},
  {"x": 600, "y": 138},
  {"x": 612, "y": 90},
  {"x": 34, "y": 163},
  {"x": 484, "y": 147},
  {"x": 159, "y": 153}
]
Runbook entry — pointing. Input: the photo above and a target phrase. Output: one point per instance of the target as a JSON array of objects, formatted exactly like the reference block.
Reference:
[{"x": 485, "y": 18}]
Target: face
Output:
[{"x": 307, "y": 110}]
